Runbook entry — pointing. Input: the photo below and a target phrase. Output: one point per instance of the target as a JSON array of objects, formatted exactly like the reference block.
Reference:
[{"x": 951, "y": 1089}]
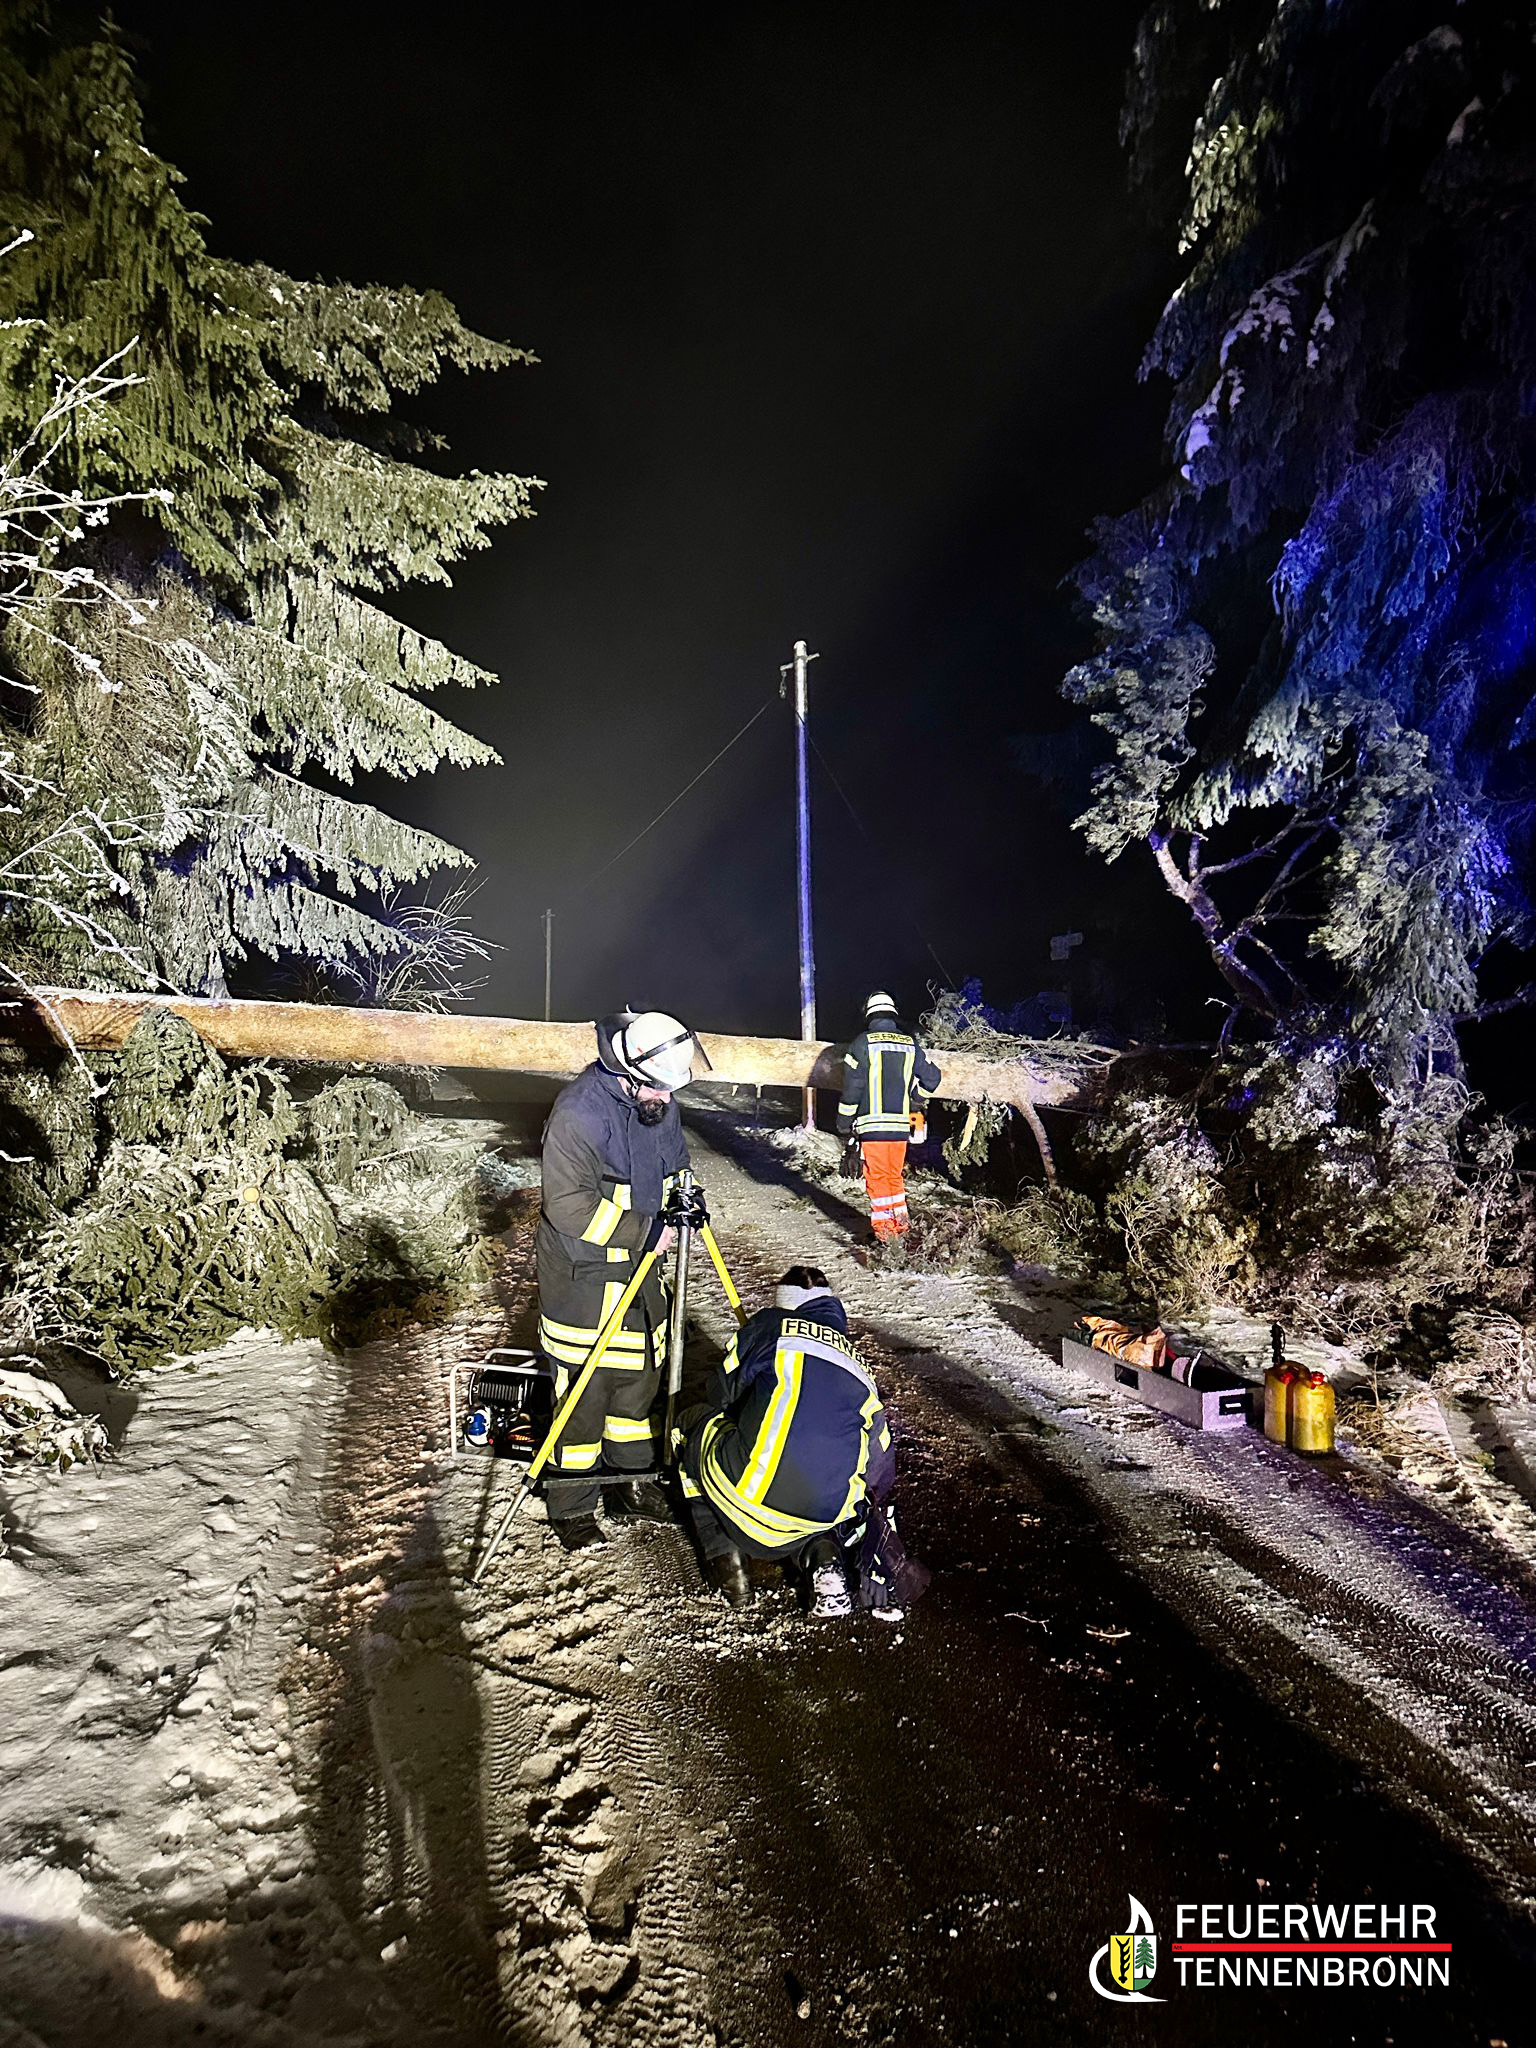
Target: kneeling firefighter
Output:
[
  {"x": 792, "y": 1459},
  {"x": 612, "y": 1147}
]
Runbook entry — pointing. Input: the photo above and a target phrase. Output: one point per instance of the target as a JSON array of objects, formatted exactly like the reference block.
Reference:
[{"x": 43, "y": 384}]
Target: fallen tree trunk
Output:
[{"x": 99, "y": 1021}]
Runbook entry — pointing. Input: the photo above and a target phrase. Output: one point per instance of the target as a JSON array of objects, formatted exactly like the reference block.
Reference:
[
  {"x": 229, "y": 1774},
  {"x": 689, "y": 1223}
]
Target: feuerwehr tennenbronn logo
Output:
[{"x": 1132, "y": 1960}]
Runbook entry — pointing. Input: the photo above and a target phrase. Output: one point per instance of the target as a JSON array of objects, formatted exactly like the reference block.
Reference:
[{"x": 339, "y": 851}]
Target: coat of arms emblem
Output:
[{"x": 1132, "y": 1959}]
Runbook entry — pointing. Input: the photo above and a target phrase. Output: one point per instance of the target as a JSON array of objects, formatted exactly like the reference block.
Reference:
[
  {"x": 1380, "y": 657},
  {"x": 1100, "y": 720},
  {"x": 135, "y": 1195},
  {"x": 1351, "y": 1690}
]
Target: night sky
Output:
[{"x": 838, "y": 312}]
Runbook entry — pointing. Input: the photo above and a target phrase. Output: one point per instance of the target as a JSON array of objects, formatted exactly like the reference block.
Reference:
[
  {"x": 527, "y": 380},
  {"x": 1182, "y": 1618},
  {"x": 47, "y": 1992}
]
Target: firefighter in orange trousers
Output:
[{"x": 889, "y": 1079}]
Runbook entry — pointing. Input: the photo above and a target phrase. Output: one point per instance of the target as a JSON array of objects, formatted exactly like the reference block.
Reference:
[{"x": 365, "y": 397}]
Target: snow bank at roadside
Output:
[{"x": 143, "y": 1778}]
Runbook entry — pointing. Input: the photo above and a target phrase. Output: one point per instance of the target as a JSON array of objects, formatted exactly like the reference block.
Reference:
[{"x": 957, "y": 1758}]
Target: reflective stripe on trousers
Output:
[
  {"x": 884, "y": 1179},
  {"x": 610, "y": 1429}
]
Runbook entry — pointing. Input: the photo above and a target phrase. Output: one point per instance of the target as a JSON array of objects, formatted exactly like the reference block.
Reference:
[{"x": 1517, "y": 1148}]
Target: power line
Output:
[
  {"x": 848, "y": 803},
  {"x": 740, "y": 733}
]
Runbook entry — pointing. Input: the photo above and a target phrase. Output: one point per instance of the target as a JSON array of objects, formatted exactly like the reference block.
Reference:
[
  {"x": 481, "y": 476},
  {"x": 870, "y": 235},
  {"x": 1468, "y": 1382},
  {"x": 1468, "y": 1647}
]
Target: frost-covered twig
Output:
[{"x": 54, "y": 875}]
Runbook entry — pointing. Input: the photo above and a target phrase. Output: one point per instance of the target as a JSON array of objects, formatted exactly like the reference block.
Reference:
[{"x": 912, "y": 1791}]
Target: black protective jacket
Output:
[
  {"x": 606, "y": 1176},
  {"x": 888, "y": 1076},
  {"x": 801, "y": 1438}
]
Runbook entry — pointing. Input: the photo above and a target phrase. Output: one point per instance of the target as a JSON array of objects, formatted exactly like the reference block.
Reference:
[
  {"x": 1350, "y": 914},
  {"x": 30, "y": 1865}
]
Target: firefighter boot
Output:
[
  {"x": 830, "y": 1597},
  {"x": 727, "y": 1576},
  {"x": 638, "y": 1500},
  {"x": 578, "y": 1532}
]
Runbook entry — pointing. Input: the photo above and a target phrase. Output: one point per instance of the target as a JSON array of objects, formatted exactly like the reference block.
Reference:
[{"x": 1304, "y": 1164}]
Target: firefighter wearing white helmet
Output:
[
  {"x": 888, "y": 1080},
  {"x": 612, "y": 1148}
]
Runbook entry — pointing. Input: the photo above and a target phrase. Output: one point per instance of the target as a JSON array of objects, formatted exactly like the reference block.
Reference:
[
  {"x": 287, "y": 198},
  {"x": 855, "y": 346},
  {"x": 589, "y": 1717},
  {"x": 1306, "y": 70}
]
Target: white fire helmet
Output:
[
  {"x": 879, "y": 1004},
  {"x": 657, "y": 1050}
]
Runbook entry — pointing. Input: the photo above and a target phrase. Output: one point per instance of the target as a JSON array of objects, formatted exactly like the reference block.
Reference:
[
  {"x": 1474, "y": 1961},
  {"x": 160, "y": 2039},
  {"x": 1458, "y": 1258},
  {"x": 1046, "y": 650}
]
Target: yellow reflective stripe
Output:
[
  {"x": 567, "y": 1354},
  {"x": 767, "y": 1524},
  {"x": 691, "y": 1489},
  {"x": 616, "y": 1254},
  {"x": 885, "y": 1437},
  {"x": 874, "y": 1082},
  {"x": 605, "y": 1221},
  {"x": 573, "y": 1333},
  {"x": 732, "y": 1359},
  {"x": 788, "y": 1368},
  {"x": 569, "y": 1344},
  {"x": 856, "y": 1486},
  {"x": 621, "y": 1429},
  {"x": 578, "y": 1457},
  {"x": 576, "y": 1354},
  {"x": 776, "y": 1531}
]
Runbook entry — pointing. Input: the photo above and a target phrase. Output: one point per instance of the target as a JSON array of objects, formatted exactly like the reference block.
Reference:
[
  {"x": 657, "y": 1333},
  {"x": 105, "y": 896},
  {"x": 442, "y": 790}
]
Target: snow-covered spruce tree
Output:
[
  {"x": 59, "y": 863},
  {"x": 220, "y": 1200},
  {"x": 1317, "y": 639},
  {"x": 264, "y": 673}
]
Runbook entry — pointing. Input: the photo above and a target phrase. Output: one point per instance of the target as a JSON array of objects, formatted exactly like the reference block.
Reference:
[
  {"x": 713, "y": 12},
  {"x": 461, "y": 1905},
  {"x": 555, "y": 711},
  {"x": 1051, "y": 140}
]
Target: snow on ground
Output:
[
  {"x": 145, "y": 1772},
  {"x": 271, "y": 1772}
]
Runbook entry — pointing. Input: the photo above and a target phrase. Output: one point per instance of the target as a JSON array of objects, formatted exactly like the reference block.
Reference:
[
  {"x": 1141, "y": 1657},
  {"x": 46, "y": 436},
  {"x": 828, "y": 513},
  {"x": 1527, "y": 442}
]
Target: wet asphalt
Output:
[{"x": 948, "y": 1825}]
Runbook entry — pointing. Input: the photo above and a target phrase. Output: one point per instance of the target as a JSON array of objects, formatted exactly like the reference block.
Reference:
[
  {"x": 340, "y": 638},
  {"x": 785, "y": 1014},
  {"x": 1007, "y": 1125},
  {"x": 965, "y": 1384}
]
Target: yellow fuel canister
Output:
[
  {"x": 1312, "y": 1414},
  {"x": 1279, "y": 1392}
]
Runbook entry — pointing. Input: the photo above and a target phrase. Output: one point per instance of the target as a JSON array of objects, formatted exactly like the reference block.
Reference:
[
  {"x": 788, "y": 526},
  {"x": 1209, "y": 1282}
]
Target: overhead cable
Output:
[{"x": 740, "y": 733}]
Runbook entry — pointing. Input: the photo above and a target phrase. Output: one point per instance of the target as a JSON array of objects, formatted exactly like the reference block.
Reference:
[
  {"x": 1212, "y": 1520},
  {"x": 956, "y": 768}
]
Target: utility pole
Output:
[
  {"x": 549, "y": 949},
  {"x": 798, "y": 668}
]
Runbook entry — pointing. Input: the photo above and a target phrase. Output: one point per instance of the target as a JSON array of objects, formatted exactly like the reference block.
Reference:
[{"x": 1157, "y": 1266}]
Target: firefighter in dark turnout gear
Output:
[
  {"x": 793, "y": 1444},
  {"x": 889, "y": 1078},
  {"x": 613, "y": 1144}
]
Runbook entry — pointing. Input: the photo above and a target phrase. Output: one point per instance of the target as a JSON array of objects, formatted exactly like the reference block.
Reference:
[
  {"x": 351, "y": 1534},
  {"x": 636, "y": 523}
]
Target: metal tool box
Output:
[{"x": 1218, "y": 1407}]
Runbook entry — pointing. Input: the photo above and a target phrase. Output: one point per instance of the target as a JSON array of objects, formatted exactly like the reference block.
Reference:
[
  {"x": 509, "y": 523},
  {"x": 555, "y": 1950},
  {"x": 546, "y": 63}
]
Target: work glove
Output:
[
  {"x": 852, "y": 1167},
  {"x": 919, "y": 1123}
]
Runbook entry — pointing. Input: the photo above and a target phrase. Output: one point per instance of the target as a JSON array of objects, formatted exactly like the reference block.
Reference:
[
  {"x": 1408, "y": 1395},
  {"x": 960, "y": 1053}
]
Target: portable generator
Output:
[{"x": 497, "y": 1405}]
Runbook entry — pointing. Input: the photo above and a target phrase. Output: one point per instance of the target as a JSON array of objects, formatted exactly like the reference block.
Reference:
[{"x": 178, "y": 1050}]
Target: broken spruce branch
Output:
[{"x": 1029, "y": 1080}]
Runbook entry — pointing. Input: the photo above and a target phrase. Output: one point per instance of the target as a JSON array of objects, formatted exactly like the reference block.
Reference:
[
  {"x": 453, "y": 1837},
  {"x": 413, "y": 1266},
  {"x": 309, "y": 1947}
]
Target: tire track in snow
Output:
[{"x": 385, "y": 1707}]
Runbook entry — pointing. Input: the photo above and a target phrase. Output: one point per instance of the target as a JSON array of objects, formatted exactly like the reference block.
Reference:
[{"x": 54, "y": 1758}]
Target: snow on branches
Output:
[
  {"x": 261, "y": 494},
  {"x": 1316, "y": 641},
  {"x": 59, "y": 861}
]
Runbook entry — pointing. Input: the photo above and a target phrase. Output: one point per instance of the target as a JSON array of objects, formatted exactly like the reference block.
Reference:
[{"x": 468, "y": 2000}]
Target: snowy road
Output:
[{"x": 269, "y": 1772}]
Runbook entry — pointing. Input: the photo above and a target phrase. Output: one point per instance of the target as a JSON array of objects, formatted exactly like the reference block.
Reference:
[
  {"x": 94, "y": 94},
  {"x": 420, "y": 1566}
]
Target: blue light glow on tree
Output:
[{"x": 1316, "y": 640}]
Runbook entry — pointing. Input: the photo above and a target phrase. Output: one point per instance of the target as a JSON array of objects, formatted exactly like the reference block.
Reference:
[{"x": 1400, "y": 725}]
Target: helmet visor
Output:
[{"x": 670, "y": 1063}]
